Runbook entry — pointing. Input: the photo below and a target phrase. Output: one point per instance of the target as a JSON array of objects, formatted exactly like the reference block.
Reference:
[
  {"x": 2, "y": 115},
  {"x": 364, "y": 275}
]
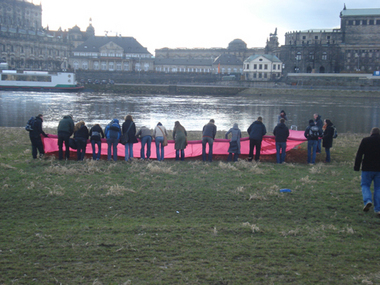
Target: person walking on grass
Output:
[
  {"x": 180, "y": 140},
  {"x": 281, "y": 133},
  {"x": 145, "y": 135},
  {"x": 256, "y": 131},
  {"x": 65, "y": 130},
  {"x": 130, "y": 128},
  {"x": 234, "y": 147},
  {"x": 328, "y": 134},
  {"x": 96, "y": 136},
  {"x": 35, "y": 137},
  {"x": 159, "y": 133},
  {"x": 81, "y": 137},
  {"x": 208, "y": 137},
  {"x": 368, "y": 157},
  {"x": 312, "y": 133}
]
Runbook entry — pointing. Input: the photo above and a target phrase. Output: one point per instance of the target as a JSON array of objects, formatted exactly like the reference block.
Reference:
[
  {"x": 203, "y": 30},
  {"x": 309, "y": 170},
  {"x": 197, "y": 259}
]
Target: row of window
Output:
[
  {"x": 363, "y": 22},
  {"x": 199, "y": 70},
  {"x": 111, "y": 54},
  {"x": 260, "y": 66},
  {"x": 110, "y": 66}
]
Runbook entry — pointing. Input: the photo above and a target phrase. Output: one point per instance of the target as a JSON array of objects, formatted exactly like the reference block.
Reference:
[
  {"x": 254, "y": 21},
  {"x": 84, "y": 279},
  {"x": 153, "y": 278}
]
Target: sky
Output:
[{"x": 198, "y": 23}]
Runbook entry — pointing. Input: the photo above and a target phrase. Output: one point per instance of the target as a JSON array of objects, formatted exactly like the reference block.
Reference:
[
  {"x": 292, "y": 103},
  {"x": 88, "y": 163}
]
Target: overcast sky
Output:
[{"x": 198, "y": 23}]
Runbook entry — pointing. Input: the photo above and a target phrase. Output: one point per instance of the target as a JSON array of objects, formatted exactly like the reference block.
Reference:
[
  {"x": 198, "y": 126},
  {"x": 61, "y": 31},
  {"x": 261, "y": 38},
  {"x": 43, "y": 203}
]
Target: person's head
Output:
[
  {"x": 375, "y": 131},
  {"x": 260, "y": 119},
  {"x": 212, "y": 121},
  {"x": 159, "y": 124},
  {"x": 282, "y": 113},
  {"x": 328, "y": 122},
  {"x": 40, "y": 116},
  {"x": 235, "y": 126},
  {"x": 316, "y": 116},
  {"x": 128, "y": 118},
  {"x": 282, "y": 120}
]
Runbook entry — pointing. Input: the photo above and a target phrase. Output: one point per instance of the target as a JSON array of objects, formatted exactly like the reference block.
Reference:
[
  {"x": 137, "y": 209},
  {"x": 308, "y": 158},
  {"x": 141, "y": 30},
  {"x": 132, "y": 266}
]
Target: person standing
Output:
[
  {"x": 159, "y": 133},
  {"x": 130, "y": 128},
  {"x": 282, "y": 116},
  {"x": 328, "y": 135},
  {"x": 65, "y": 130},
  {"x": 180, "y": 140},
  {"x": 113, "y": 133},
  {"x": 318, "y": 122},
  {"x": 81, "y": 137},
  {"x": 208, "y": 137},
  {"x": 256, "y": 132},
  {"x": 35, "y": 137},
  {"x": 312, "y": 133},
  {"x": 96, "y": 136},
  {"x": 370, "y": 163},
  {"x": 145, "y": 135},
  {"x": 281, "y": 133},
  {"x": 234, "y": 147}
]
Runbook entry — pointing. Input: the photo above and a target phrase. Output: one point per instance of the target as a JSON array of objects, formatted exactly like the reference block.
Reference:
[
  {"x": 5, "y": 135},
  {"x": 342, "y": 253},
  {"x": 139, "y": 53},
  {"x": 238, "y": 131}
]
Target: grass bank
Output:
[{"x": 183, "y": 223}]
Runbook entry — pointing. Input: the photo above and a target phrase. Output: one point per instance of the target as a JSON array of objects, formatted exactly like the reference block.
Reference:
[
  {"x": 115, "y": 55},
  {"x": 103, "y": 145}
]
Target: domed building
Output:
[{"x": 237, "y": 44}]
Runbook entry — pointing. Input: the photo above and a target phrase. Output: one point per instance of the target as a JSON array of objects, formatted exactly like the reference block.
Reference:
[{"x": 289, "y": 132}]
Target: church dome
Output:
[{"x": 237, "y": 44}]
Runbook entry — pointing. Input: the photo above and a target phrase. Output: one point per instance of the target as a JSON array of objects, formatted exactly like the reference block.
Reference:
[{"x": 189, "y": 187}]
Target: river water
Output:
[{"x": 357, "y": 115}]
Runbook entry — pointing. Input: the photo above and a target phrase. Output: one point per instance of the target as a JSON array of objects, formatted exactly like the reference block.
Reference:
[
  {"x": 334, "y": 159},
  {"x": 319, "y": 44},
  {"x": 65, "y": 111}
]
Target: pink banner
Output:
[{"x": 193, "y": 149}]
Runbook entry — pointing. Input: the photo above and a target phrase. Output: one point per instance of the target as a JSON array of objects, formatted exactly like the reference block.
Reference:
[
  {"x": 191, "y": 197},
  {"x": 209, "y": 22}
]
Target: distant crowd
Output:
[{"x": 127, "y": 134}]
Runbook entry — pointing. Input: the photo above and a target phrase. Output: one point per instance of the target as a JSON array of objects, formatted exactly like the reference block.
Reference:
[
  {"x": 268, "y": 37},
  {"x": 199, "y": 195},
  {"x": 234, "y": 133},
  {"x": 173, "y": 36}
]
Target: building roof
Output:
[
  {"x": 228, "y": 59},
  {"x": 360, "y": 12},
  {"x": 269, "y": 57},
  {"x": 129, "y": 44},
  {"x": 183, "y": 61}
]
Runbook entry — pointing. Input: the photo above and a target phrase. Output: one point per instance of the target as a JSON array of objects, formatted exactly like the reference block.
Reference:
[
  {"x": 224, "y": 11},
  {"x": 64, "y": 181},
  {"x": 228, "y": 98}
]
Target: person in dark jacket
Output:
[
  {"x": 96, "y": 136},
  {"x": 256, "y": 132},
  {"x": 281, "y": 133},
  {"x": 370, "y": 149},
  {"x": 312, "y": 133},
  {"x": 35, "y": 137},
  {"x": 180, "y": 140},
  {"x": 282, "y": 116},
  {"x": 130, "y": 127},
  {"x": 65, "y": 130},
  {"x": 81, "y": 137},
  {"x": 328, "y": 135},
  {"x": 208, "y": 136},
  {"x": 319, "y": 123}
]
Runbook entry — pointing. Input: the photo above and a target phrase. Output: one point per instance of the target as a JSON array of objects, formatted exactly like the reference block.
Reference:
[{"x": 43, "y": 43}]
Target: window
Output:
[
  {"x": 255, "y": 66},
  {"x": 371, "y": 22},
  {"x": 96, "y": 65},
  {"x": 364, "y": 22},
  {"x": 76, "y": 65},
  {"x": 85, "y": 65},
  {"x": 324, "y": 56},
  {"x": 279, "y": 66},
  {"x": 316, "y": 37},
  {"x": 260, "y": 66},
  {"x": 328, "y": 37},
  {"x": 304, "y": 37},
  {"x": 110, "y": 66},
  {"x": 247, "y": 66},
  {"x": 104, "y": 65},
  {"x": 265, "y": 75},
  {"x": 377, "y": 22},
  {"x": 118, "y": 66},
  {"x": 350, "y": 22},
  {"x": 274, "y": 67},
  {"x": 357, "y": 22},
  {"x": 260, "y": 75}
]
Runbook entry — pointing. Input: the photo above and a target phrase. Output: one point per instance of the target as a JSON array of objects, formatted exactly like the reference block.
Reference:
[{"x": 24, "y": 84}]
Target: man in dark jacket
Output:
[
  {"x": 281, "y": 133},
  {"x": 319, "y": 123},
  {"x": 312, "y": 133},
  {"x": 35, "y": 137},
  {"x": 370, "y": 149},
  {"x": 65, "y": 130},
  {"x": 208, "y": 136},
  {"x": 256, "y": 132}
]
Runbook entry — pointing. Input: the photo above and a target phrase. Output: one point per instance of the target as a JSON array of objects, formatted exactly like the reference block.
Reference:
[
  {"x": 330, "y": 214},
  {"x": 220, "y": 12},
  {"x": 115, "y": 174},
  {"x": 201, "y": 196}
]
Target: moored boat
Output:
[{"x": 38, "y": 81}]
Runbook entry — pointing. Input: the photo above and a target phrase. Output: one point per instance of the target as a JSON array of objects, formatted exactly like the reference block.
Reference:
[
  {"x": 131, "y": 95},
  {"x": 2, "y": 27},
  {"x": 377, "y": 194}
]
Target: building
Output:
[
  {"x": 262, "y": 68},
  {"x": 111, "y": 54},
  {"x": 354, "y": 47}
]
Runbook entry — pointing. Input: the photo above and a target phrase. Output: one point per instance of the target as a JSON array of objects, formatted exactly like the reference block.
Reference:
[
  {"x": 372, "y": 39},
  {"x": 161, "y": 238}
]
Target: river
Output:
[{"x": 356, "y": 115}]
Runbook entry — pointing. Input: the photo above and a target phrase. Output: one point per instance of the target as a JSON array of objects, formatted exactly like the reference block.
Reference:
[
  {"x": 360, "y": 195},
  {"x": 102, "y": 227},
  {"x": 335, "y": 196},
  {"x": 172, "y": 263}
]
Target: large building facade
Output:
[{"x": 355, "y": 47}]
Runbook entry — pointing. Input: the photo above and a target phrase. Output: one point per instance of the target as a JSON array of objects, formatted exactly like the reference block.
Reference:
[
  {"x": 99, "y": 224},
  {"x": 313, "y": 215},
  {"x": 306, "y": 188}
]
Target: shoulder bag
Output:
[
  {"x": 165, "y": 142},
  {"x": 125, "y": 138}
]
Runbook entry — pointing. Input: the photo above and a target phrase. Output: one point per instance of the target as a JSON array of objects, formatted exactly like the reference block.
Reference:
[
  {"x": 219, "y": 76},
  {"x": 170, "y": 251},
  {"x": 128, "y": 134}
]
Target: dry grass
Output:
[
  {"x": 253, "y": 227},
  {"x": 118, "y": 190}
]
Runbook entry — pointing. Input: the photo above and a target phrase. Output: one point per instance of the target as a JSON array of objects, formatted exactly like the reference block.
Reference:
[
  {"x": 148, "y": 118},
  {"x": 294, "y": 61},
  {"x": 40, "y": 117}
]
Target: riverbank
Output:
[{"x": 99, "y": 222}]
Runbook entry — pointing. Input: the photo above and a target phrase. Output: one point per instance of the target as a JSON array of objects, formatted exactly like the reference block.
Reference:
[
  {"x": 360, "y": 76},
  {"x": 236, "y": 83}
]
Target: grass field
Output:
[{"x": 184, "y": 222}]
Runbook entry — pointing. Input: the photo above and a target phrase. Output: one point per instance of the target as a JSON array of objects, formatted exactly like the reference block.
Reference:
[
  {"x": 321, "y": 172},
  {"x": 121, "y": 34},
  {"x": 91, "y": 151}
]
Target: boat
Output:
[{"x": 38, "y": 81}]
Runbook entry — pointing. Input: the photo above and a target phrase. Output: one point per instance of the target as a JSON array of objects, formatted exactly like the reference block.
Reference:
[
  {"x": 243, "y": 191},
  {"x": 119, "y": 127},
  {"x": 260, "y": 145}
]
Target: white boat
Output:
[{"x": 38, "y": 81}]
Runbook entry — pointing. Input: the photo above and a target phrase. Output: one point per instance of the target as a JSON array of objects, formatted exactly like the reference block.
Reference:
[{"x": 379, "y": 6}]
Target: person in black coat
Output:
[
  {"x": 35, "y": 137},
  {"x": 96, "y": 136},
  {"x": 81, "y": 137},
  {"x": 130, "y": 127},
  {"x": 370, "y": 149},
  {"x": 256, "y": 132},
  {"x": 281, "y": 133},
  {"x": 328, "y": 135}
]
